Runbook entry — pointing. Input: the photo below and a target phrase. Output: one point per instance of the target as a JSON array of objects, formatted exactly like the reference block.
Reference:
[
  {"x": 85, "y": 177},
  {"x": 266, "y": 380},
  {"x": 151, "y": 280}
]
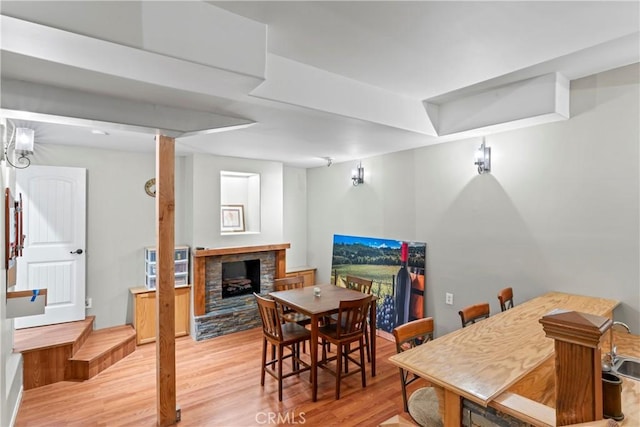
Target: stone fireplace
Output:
[
  {"x": 240, "y": 277},
  {"x": 224, "y": 282}
]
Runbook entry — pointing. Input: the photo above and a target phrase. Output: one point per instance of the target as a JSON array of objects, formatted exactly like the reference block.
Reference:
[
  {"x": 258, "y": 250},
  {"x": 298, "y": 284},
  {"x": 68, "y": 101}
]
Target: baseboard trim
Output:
[{"x": 14, "y": 415}]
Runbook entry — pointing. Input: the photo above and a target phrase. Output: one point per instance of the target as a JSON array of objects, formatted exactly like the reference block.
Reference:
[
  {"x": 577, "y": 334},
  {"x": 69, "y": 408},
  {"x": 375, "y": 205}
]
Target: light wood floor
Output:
[{"x": 218, "y": 384}]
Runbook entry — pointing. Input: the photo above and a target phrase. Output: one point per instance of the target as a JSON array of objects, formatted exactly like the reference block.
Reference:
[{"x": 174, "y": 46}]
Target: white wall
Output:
[
  {"x": 120, "y": 222},
  {"x": 204, "y": 212},
  {"x": 559, "y": 211},
  {"x": 295, "y": 215},
  {"x": 121, "y": 217}
]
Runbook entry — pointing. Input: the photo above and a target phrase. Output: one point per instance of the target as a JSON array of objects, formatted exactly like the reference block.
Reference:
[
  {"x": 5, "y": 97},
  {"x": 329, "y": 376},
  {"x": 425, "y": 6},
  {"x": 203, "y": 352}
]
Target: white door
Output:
[{"x": 54, "y": 216}]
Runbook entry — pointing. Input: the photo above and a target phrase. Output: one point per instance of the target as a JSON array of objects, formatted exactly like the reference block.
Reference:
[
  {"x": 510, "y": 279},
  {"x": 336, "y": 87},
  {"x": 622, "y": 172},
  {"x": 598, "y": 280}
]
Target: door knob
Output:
[{"x": 77, "y": 251}]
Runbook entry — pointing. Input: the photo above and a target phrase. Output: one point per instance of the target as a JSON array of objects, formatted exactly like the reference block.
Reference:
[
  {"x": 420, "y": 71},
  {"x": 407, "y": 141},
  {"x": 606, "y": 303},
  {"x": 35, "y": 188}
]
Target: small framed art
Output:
[{"x": 231, "y": 218}]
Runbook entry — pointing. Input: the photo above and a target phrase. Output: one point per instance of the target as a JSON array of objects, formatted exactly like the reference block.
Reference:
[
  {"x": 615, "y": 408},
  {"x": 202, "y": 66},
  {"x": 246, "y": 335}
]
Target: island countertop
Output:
[{"x": 485, "y": 359}]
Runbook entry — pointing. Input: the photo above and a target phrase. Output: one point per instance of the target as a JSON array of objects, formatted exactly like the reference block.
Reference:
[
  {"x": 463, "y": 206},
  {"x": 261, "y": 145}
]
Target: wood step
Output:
[
  {"x": 102, "y": 349},
  {"x": 46, "y": 349},
  {"x": 51, "y": 336},
  {"x": 70, "y": 351}
]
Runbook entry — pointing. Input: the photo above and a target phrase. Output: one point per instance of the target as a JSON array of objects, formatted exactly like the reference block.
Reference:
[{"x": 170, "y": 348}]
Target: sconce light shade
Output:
[
  {"x": 357, "y": 175},
  {"x": 22, "y": 144},
  {"x": 483, "y": 158},
  {"x": 24, "y": 140}
]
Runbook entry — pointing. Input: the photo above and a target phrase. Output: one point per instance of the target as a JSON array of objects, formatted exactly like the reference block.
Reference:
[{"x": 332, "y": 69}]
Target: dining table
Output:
[
  {"x": 320, "y": 301},
  {"x": 482, "y": 362}
]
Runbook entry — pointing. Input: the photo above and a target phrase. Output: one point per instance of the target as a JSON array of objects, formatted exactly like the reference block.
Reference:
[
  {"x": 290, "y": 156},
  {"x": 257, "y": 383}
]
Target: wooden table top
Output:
[
  {"x": 484, "y": 359},
  {"x": 305, "y": 301}
]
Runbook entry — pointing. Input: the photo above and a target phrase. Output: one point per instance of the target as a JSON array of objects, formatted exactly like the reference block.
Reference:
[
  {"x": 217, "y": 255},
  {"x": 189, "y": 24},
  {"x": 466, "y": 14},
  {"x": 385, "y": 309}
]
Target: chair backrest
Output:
[
  {"x": 270, "y": 315},
  {"x": 473, "y": 313},
  {"x": 505, "y": 297},
  {"x": 286, "y": 283},
  {"x": 413, "y": 333},
  {"x": 359, "y": 284},
  {"x": 352, "y": 318},
  {"x": 409, "y": 335}
]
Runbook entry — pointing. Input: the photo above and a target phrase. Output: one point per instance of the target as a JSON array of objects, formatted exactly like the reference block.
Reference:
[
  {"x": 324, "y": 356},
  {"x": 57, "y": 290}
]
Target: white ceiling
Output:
[{"x": 395, "y": 54}]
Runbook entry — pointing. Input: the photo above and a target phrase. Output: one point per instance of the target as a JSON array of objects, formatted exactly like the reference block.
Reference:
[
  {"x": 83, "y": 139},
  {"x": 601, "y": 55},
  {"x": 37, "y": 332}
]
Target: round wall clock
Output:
[{"x": 150, "y": 187}]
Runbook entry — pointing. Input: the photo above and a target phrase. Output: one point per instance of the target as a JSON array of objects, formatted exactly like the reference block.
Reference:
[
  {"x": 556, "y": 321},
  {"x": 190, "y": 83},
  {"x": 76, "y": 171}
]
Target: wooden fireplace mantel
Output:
[
  {"x": 199, "y": 267},
  {"x": 240, "y": 250}
]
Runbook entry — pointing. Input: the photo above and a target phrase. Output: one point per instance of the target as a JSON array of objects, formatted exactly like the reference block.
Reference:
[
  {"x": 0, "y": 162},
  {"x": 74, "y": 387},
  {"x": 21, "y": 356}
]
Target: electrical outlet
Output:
[
  {"x": 88, "y": 303},
  {"x": 448, "y": 298}
]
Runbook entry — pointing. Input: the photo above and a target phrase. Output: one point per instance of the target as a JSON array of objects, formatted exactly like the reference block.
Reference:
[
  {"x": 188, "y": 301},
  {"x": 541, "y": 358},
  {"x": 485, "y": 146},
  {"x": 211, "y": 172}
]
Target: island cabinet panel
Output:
[{"x": 144, "y": 313}]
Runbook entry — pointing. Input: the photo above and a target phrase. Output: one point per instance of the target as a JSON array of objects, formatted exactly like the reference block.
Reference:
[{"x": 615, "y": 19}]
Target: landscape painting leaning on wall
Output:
[{"x": 379, "y": 260}]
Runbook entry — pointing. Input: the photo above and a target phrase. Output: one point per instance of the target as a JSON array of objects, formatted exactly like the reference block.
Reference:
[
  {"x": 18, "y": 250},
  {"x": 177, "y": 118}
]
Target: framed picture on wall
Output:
[{"x": 231, "y": 218}]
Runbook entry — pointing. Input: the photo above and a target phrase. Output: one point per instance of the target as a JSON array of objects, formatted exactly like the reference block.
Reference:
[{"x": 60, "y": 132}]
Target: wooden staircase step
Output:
[
  {"x": 70, "y": 351},
  {"x": 45, "y": 350},
  {"x": 103, "y": 348},
  {"x": 50, "y": 336}
]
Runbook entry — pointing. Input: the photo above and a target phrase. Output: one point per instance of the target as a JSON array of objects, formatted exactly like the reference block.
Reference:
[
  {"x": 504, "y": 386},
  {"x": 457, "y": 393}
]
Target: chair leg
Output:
[
  {"x": 293, "y": 357},
  {"x": 280, "y": 372},
  {"x": 404, "y": 391},
  {"x": 347, "y": 350},
  {"x": 273, "y": 356},
  {"x": 362, "y": 372},
  {"x": 264, "y": 361},
  {"x": 366, "y": 340},
  {"x": 338, "y": 370}
]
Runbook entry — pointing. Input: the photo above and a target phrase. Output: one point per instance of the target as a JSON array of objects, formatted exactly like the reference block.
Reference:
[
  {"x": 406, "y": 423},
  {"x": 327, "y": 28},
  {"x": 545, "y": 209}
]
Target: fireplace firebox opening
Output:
[{"x": 240, "y": 278}]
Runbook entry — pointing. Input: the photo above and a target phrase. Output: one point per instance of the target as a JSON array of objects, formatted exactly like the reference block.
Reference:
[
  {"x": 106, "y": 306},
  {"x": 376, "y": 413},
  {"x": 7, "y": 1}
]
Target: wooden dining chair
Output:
[
  {"x": 423, "y": 404},
  {"x": 473, "y": 313},
  {"x": 288, "y": 314},
  {"x": 349, "y": 328},
  {"x": 505, "y": 296},
  {"x": 282, "y": 335},
  {"x": 359, "y": 284},
  {"x": 362, "y": 285}
]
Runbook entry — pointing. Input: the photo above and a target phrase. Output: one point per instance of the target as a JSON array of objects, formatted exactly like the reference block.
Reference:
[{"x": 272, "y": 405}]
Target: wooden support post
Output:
[
  {"x": 199, "y": 280},
  {"x": 452, "y": 409},
  {"x": 578, "y": 373},
  {"x": 165, "y": 282},
  {"x": 281, "y": 263}
]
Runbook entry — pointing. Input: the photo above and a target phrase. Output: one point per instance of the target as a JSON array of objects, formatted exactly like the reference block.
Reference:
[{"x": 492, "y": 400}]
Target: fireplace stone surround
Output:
[{"x": 213, "y": 315}]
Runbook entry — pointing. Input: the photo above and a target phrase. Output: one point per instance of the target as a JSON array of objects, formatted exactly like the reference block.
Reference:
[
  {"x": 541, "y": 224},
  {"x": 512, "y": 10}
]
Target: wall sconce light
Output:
[
  {"x": 483, "y": 158},
  {"x": 357, "y": 175},
  {"x": 23, "y": 141}
]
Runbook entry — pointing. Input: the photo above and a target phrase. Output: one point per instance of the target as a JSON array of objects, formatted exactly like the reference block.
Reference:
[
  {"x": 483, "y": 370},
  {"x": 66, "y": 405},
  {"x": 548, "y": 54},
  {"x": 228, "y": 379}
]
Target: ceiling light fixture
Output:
[
  {"x": 483, "y": 158},
  {"x": 357, "y": 175}
]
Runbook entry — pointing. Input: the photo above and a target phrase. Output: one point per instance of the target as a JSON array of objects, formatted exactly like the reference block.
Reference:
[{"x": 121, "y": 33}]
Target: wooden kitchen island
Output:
[{"x": 505, "y": 362}]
